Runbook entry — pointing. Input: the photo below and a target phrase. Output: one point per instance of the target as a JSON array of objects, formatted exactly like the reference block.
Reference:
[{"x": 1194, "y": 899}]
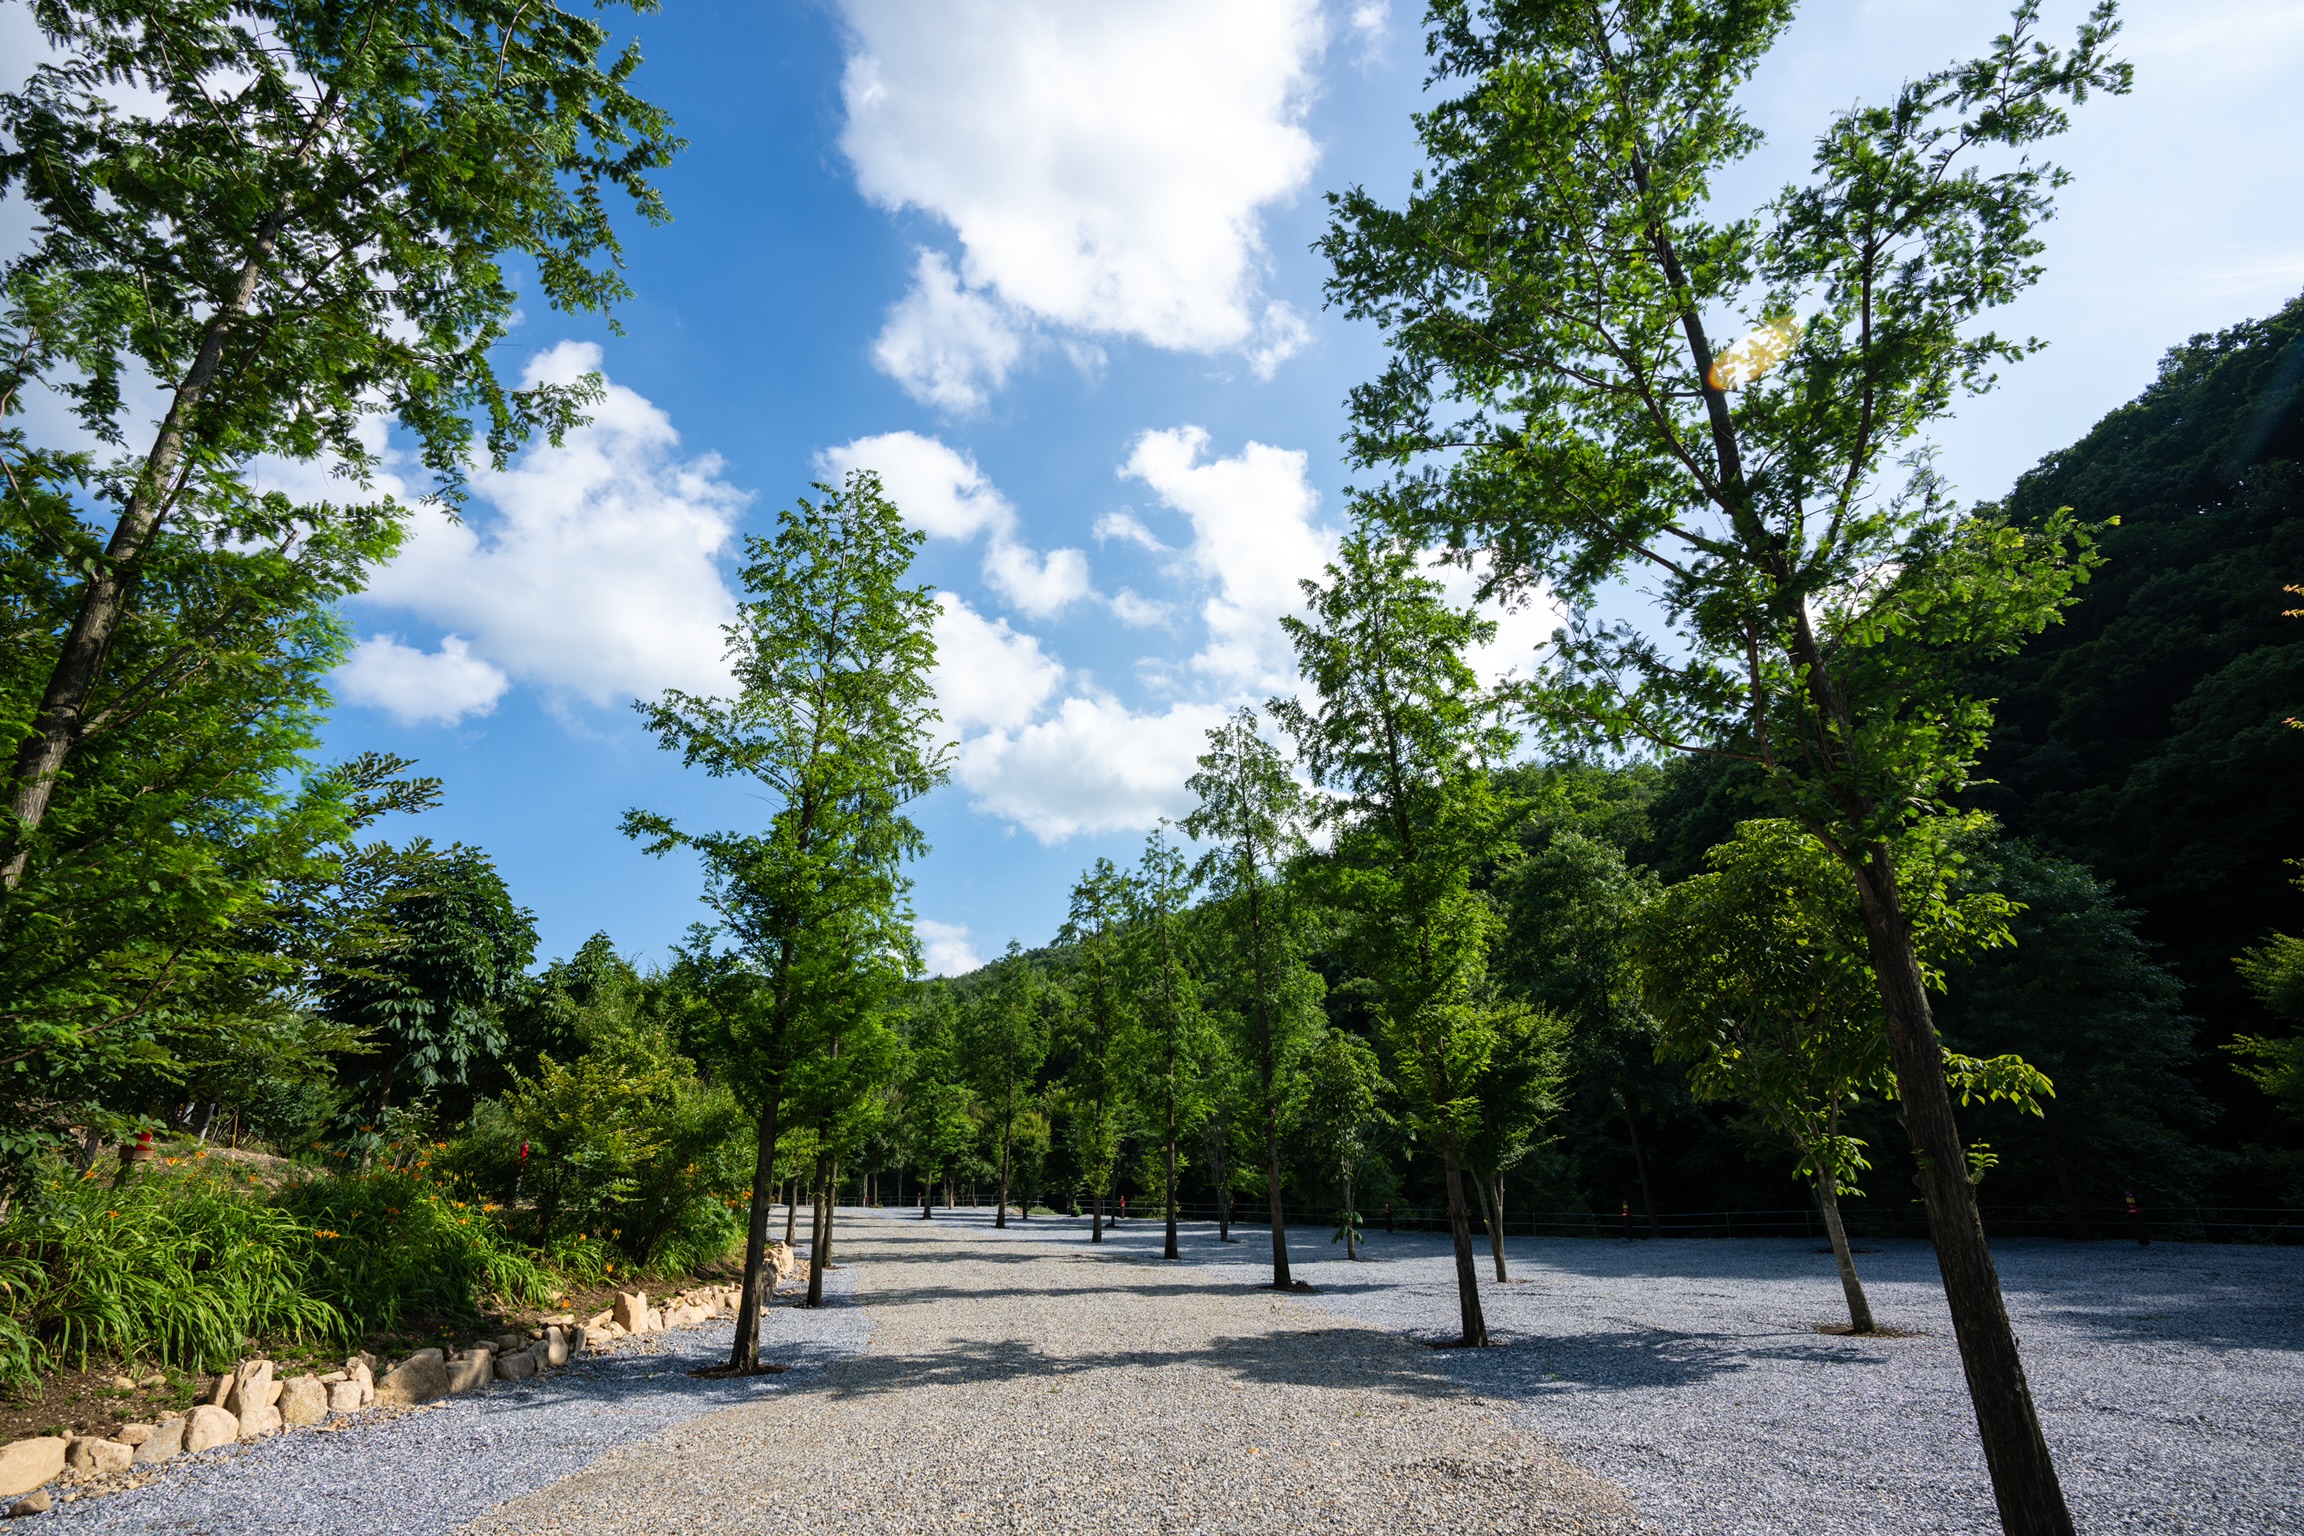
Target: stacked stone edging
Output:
[{"x": 251, "y": 1401}]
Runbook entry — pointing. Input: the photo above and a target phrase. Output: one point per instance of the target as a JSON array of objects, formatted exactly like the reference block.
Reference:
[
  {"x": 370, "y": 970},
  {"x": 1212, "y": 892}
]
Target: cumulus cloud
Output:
[
  {"x": 986, "y": 673},
  {"x": 946, "y": 948},
  {"x": 597, "y": 575},
  {"x": 941, "y": 492},
  {"x": 1253, "y": 539},
  {"x": 419, "y": 687},
  {"x": 1094, "y": 765},
  {"x": 1104, "y": 169},
  {"x": 948, "y": 347}
]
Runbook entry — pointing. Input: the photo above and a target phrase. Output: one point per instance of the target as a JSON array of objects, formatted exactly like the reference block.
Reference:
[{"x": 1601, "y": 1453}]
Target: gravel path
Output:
[
  {"x": 1013, "y": 1385},
  {"x": 436, "y": 1468},
  {"x": 2170, "y": 1379}
]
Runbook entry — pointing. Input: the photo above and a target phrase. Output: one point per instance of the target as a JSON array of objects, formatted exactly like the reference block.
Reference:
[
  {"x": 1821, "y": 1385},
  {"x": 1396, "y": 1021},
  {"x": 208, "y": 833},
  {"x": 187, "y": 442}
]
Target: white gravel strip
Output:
[
  {"x": 434, "y": 1469},
  {"x": 1017, "y": 1386},
  {"x": 2170, "y": 1379}
]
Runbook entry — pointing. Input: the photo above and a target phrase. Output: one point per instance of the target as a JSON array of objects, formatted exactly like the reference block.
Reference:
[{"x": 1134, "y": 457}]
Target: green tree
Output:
[
  {"x": 1569, "y": 906},
  {"x": 1168, "y": 1046},
  {"x": 1514, "y": 1097},
  {"x": 831, "y": 655},
  {"x": 1252, "y": 813},
  {"x": 1007, "y": 1045},
  {"x": 291, "y": 216},
  {"x": 2274, "y": 971},
  {"x": 1402, "y": 737},
  {"x": 939, "y": 1127},
  {"x": 449, "y": 951},
  {"x": 1340, "y": 1106},
  {"x": 1096, "y": 1023},
  {"x": 1560, "y": 398}
]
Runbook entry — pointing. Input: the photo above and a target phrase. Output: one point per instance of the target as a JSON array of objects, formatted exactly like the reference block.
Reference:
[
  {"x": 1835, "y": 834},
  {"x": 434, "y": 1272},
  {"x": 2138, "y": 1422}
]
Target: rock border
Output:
[{"x": 250, "y": 1402}]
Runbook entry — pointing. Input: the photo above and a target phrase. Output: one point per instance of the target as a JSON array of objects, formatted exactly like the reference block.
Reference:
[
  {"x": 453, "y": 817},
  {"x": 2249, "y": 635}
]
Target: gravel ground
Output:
[
  {"x": 1013, "y": 1385},
  {"x": 434, "y": 1469},
  {"x": 2171, "y": 1379}
]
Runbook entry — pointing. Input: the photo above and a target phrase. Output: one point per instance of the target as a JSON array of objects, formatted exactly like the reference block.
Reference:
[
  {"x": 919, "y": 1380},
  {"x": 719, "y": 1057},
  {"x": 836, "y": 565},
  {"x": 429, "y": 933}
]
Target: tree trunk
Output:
[
  {"x": 1095, "y": 1217},
  {"x": 2024, "y": 1481},
  {"x": 1272, "y": 1198},
  {"x": 63, "y": 715},
  {"x": 819, "y": 1241},
  {"x": 1828, "y": 1200},
  {"x": 1640, "y": 1166},
  {"x": 792, "y": 1211},
  {"x": 1460, "y": 1228},
  {"x": 1000, "y": 1217},
  {"x": 1495, "y": 1215},
  {"x": 1171, "y": 1251},
  {"x": 1351, "y": 1228},
  {"x": 745, "y": 1356},
  {"x": 831, "y": 1215}
]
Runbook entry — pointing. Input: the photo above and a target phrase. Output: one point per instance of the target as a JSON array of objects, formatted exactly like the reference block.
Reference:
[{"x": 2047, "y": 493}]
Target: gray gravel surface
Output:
[
  {"x": 434, "y": 1469},
  {"x": 2170, "y": 1379},
  {"x": 1013, "y": 1385}
]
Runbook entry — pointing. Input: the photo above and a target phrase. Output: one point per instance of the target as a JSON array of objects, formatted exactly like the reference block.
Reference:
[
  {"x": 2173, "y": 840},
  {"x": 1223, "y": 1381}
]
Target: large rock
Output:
[
  {"x": 576, "y": 1338},
  {"x": 166, "y": 1443},
  {"x": 132, "y": 1434},
  {"x": 555, "y": 1347},
  {"x": 631, "y": 1311},
  {"x": 344, "y": 1397},
  {"x": 420, "y": 1378},
  {"x": 362, "y": 1373},
  {"x": 38, "y": 1503},
  {"x": 207, "y": 1427},
  {"x": 506, "y": 1343},
  {"x": 26, "y": 1464},
  {"x": 601, "y": 1319},
  {"x": 471, "y": 1371},
  {"x": 654, "y": 1322},
  {"x": 259, "y": 1421},
  {"x": 303, "y": 1401},
  {"x": 251, "y": 1388},
  {"x": 520, "y": 1366},
  {"x": 101, "y": 1457}
]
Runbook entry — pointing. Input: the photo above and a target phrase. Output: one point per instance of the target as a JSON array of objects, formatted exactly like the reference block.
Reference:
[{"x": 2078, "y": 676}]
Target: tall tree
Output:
[
  {"x": 1007, "y": 1030},
  {"x": 1169, "y": 1043},
  {"x": 1559, "y": 397},
  {"x": 1253, "y": 814},
  {"x": 290, "y": 216},
  {"x": 1402, "y": 737},
  {"x": 1096, "y": 1022},
  {"x": 1516, "y": 1093},
  {"x": 832, "y": 721}
]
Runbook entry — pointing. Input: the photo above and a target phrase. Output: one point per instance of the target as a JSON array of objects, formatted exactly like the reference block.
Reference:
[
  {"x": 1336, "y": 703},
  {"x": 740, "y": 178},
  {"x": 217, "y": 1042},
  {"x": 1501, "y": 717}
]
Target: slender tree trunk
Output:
[
  {"x": 63, "y": 715},
  {"x": 819, "y": 1239},
  {"x": 792, "y": 1211},
  {"x": 1351, "y": 1228},
  {"x": 1273, "y": 1198},
  {"x": 1495, "y": 1215},
  {"x": 1095, "y": 1216},
  {"x": 1828, "y": 1200},
  {"x": 1460, "y": 1228},
  {"x": 1640, "y": 1166},
  {"x": 745, "y": 1356},
  {"x": 2024, "y": 1480},
  {"x": 831, "y": 1216},
  {"x": 1000, "y": 1218},
  {"x": 1171, "y": 1251}
]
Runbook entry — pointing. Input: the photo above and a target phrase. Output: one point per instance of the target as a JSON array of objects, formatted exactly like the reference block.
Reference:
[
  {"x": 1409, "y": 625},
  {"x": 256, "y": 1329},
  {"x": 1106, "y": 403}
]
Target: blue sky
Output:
[{"x": 1046, "y": 266}]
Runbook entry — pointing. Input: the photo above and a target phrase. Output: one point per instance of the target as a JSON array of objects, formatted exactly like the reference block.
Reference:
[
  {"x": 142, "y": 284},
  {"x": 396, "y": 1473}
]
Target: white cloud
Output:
[
  {"x": 1523, "y": 628},
  {"x": 1124, "y": 526},
  {"x": 1093, "y": 766},
  {"x": 417, "y": 687},
  {"x": 948, "y": 347},
  {"x": 986, "y": 673},
  {"x": 946, "y": 948},
  {"x": 1252, "y": 536},
  {"x": 598, "y": 576},
  {"x": 942, "y": 492},
  {"x": 1105, "y": 169}
]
